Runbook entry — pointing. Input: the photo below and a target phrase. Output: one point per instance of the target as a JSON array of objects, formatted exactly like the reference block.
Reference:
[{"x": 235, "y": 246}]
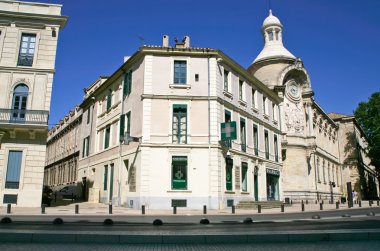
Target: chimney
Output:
[{"x": 165, "y": 41}]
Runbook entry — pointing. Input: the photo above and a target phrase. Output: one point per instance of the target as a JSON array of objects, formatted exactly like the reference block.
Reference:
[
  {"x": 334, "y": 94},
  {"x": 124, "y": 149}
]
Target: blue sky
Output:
[{"x": 338, "y": 41}]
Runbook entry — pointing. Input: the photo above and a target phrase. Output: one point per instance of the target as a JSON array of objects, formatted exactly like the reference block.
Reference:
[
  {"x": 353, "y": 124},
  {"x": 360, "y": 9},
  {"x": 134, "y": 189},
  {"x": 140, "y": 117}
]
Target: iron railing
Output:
[
  {"x": 14, "y": 116},
  {"x": 25, "y": 59}
]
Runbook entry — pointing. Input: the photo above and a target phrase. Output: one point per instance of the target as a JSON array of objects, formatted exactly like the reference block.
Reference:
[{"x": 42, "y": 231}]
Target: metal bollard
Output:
[
  {"x": 76, "y": 209},
  {"x": 282, "y": 208},
  {"x": 303, "y": 207},
  {"x": 204, "y": 209},
  {"x": 360, "y": 203},
  {"x": 259, "y": 209},
  {"x": 233, "y": 209},
  {"x": 337, "y": 205},
  {"x": 9, "y": 207},
  {"x": 143, "y": 209},
  {"x": 378, "y": 204},
  {"x": 43, "y": 209},
  {"x": 320, "y": 206},
  {"x": 301, "y": 201},
  {"x": 110, "y": 209},
  {"x": 174, "y": 209},
  {"x": 307, "y": 202}
]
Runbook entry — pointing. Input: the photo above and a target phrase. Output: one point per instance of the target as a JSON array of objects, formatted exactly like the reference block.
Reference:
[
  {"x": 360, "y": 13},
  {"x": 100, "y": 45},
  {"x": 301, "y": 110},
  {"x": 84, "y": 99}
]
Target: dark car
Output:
[{"x": 47, "y": 196}]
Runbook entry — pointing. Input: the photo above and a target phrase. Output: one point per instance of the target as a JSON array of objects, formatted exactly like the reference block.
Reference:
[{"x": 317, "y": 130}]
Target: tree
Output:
[{"x": 367, "y": 115}]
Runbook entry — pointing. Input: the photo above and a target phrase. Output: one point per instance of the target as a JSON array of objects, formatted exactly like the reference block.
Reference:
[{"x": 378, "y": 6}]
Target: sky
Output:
[{"x": 337, "y": 40}]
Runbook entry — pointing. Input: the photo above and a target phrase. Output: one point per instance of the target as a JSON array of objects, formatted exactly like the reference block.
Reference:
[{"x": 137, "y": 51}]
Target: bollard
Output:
[
  {"x": 369, "y": 203},
  {"x": 76, "y": 209},
  {"x": 360, "y": 203},
  {"x": 307, "y": 202},
  {"x": 316, "y": 201},
  {"x": 233, "y": 209},
  {"x": 143, "y": 209},
  {"x": 110, "y": 209},
  {"x": 43, "y": 209},
  {"x": 301, "y": 201},
  {"x": 320, "y": 206},
  {"x": 259, "y": 209},
  {"x": 337, "y": 205},
  {"x": 303, "y": 207},
  {"x": 174, "y": 209},
  {"x": 282, "y": 208},
  {"x": 378, "y": 203},
  {"x": 204, "y": 209},
  {"x": 291, "y": 202},
  {"x": 9, "y": 207}
]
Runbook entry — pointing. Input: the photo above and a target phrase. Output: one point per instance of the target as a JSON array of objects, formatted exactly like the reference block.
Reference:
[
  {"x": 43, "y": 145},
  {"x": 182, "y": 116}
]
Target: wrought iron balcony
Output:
[{"x": 12, "y": 116}]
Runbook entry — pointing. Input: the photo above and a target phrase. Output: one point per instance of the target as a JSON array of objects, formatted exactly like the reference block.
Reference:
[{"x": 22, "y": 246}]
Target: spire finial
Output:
[{"x": 270, "y": 12}]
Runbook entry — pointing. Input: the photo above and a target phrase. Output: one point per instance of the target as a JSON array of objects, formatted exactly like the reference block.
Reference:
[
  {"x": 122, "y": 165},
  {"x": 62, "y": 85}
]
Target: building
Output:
[
  {"x": 355, "y": 162},
  {"x": 28, "y": 42},
  {"x": 153, "y": 133},
  {"x": 62, "y": 151},
  {"x": 311, "y": 167}
]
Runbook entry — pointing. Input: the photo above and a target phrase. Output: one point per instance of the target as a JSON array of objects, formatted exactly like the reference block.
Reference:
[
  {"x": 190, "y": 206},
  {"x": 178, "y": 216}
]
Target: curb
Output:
[{"x": 117, "y": 238}]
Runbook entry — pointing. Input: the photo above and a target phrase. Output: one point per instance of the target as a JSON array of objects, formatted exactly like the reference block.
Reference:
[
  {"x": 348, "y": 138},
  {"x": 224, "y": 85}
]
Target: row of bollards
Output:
[{"x": 233, "y": 207}]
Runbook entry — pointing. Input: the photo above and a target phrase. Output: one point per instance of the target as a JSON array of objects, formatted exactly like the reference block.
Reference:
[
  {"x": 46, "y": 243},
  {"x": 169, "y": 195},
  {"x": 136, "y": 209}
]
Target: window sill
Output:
[
  {"x": 242, "y": 102},
  {"x": 227, "y": 94},
  {"x": 246, "y": 193},
  {"x": 179, "y": 86},
  {"x": 229, "y": 192},
  {"x": 179, "y": 191},
  {"x": 255, "y": 110}
]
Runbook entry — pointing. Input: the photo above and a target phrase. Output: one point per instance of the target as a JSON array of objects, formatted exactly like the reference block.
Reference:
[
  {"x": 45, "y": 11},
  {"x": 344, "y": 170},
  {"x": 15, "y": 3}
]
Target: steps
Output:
[{"x": 246, "y": 204}]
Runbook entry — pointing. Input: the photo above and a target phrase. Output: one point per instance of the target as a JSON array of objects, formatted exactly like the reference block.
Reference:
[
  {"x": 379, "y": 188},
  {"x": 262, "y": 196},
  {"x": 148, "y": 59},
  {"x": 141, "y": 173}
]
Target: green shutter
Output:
[
  {"x": 105, "y": 178},
  {"x": 122, "y": 125},
  {"x": 130, "y": 82},
  {"x": 127, "y": 83},
  {"x": 107, "y": 138},
  {"x": 88, "y": 146}
]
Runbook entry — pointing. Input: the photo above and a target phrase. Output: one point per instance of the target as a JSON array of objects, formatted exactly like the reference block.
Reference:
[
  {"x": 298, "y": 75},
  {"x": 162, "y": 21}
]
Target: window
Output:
[
  {"x": 324, "y": 172},
  {"x": 13, "y": 170},
  {"x": 229, "y": 164},
  {"x": 226, "y": 82},
  {"x": 270, "y": 35},
  {"x": 105, "y": 179},
  {"x": 318, "y": 171},
  {"x": 86, "y": 146},
  {"x": 253, "y": 98},
  {"x": 265, "y": 110},
  {"x": 274, "y": 112},
  {"x": 88, "y": 115},
  {"x": 241, "y": 91},
  {"x": 109, "y": 99},
  {"x": 180, "y": 72},
  {"x": 20, "y": 97},
  {"x": 129, "y": 124},
  {"x": 244, "y": 169},
  {"x": 107, "y": 137},
  {"x": 179, "y": 172},
  {"x": 179, "y": 124},
  {"x": 27, "y": 46},
  {"x": 275, "y": 148},
  {"x": 242, "y": 135},
  {"x": 266, "y": 138},
  {"x": 127, "y": 83},
  {"x": 277, "y": 32},
  {"x": 256, "y": 140},
  {"x": 227, "y": 118},
  {"x": 122, "y": 127}
]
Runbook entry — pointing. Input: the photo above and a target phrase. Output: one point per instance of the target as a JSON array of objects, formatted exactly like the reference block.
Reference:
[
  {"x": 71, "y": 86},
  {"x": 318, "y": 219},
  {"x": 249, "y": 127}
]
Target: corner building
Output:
[
  {"x": 151, "y": 132},
  {"x": 28, "y": 44}
]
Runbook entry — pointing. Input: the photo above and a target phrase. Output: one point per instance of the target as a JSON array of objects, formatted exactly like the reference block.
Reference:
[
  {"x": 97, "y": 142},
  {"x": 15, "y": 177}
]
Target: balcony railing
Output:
[
  {"x": 24, "y": 116},
  {"x": 25, "y": 59}
]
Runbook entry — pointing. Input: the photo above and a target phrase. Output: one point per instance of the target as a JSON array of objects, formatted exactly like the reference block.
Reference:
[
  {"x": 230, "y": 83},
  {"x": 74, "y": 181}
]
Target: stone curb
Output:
[{"x": 109, "y": 238}]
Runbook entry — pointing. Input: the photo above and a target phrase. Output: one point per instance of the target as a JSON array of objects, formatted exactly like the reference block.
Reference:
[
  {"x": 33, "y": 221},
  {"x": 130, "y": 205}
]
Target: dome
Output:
[{"x": 271, "y": 21}]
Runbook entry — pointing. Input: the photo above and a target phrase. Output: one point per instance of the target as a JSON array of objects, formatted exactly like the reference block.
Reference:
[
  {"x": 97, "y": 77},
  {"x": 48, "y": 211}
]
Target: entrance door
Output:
[
  {"x": 272, "y": 187},
  {"x": 256, "y": 191}
]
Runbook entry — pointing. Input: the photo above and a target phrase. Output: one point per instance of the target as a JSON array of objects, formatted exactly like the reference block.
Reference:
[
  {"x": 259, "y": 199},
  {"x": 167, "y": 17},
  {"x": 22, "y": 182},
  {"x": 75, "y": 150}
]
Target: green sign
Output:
[{"x": 228, "y": 130}]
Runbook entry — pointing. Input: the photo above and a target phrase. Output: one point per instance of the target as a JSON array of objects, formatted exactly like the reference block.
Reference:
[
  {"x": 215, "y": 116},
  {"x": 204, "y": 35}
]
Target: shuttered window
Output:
[
  {"x": 13, "y": 170},
  {"x": 127, "y": 83}
]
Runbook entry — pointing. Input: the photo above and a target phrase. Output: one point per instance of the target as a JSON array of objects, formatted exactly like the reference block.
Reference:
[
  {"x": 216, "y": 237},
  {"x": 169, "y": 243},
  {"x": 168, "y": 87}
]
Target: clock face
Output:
[{"x": 293, "y": 89}]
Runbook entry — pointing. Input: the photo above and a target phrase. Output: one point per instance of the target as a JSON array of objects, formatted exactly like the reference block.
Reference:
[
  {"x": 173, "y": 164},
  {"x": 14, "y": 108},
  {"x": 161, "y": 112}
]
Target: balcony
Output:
[
  {"x": 25, "y": 59},
  {"x": 30, "y": 117}
]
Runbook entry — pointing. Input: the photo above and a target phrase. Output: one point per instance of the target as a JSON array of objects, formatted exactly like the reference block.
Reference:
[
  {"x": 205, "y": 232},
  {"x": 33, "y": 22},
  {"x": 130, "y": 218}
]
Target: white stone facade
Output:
[{"x": 28, "y": 42}]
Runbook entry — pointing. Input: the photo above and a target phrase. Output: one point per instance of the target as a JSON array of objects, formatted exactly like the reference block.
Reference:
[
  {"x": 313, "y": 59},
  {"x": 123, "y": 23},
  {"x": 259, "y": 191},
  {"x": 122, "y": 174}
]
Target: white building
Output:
[{"x": 28, "y": 43}]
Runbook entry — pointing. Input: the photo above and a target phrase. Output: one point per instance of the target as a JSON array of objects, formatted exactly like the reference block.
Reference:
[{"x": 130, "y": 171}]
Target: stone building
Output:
[
  {"x": 355, "y": 162},
  {"x": 28, "y": 42},
  {"x": 311, "y": 167},
  {"x": 62, "y": 151}
]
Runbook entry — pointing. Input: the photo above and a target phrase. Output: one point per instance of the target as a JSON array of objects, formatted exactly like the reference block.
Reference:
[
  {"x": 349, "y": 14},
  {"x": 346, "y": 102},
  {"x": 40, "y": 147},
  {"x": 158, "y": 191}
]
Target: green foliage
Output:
[{"x": 368, "y": 116}]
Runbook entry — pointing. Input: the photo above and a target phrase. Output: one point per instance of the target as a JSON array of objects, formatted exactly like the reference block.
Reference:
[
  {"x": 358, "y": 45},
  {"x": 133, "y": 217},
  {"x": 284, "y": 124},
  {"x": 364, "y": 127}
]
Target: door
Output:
[
  {"x": 256, "y": 188},
  {"x": 19, "y": 102}
]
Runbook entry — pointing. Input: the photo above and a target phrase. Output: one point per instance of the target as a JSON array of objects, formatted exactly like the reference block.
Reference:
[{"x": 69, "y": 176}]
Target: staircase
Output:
[{"x": 246, "y": 204}]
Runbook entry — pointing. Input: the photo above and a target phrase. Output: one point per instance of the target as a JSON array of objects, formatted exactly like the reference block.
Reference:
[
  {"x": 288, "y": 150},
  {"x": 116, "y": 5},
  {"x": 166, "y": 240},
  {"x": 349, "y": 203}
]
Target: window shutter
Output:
[
  {"x": 125, "y": 84},
  {"x": 122, "y": 125},
  {"x": 130, "y": 82}
]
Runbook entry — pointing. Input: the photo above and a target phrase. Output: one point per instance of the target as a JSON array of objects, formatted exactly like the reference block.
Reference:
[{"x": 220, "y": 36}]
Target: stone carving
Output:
[{"x": 294, "y": 117}]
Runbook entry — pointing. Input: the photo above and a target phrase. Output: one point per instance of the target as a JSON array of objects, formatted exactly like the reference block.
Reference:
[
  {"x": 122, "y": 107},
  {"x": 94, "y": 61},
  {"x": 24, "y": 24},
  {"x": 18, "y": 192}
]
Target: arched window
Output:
[{"x": 20, "y": 97}]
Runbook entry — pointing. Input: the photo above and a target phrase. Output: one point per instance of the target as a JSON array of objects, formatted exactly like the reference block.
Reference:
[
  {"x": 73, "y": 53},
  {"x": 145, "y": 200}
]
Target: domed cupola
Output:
[{"x": 273, "y": 48}]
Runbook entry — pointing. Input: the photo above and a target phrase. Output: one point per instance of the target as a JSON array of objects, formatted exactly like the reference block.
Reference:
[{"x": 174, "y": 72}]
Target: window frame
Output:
[
  {"x": 178, "y": 126},
  {"x": 177, "y": 80},
  {"x": 31, "y": 55},
  {"x": 179, "y": 162}
]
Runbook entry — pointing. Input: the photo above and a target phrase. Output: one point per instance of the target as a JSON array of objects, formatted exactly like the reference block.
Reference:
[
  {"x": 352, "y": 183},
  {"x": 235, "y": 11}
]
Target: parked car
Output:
[
  {"x": 67, "y": 192},
  {"x": 46, "y": 196}
]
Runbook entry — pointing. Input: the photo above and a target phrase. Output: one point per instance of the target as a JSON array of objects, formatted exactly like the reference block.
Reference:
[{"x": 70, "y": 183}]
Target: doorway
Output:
[{"x": 272, "y": 187}]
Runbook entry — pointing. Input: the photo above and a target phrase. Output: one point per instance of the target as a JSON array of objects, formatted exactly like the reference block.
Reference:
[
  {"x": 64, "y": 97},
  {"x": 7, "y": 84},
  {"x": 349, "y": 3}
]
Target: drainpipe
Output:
[
  {"x": 120, "y": 145},
  {"x": 209, "y": 127}
]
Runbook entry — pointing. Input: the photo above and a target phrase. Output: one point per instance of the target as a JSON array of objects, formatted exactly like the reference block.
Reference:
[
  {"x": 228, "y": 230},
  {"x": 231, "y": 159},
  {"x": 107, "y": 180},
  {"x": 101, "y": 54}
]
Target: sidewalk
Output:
[{"x": 86, "y": 208}]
